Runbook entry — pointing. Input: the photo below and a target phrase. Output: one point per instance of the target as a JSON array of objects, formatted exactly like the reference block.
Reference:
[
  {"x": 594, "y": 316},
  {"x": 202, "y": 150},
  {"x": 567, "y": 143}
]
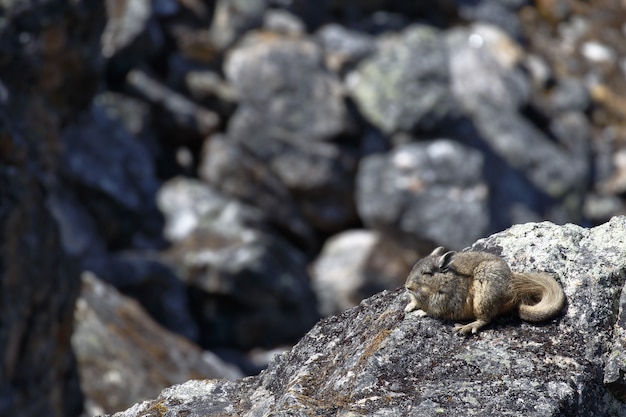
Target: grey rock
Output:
[
  {"x": 281, "y": 21},
  {"x": 343, "y": 47},
  {"x": 134, "y": 114},
  {"x": 499, "y": 13},
  {"x": 189, "y": 204},
  {"x": 284, "y": 91},
  {"x": 376, "y": 360},
  {"x": 297, "y": 184},
  {"x": 231, "y": 168},
  {"x": 615, "y": 367},
  {"x": 355, "y": 264},
  {"x": 147, "y": 279},
  {"x": 247, "y": 288},
  {"x": 231, "y": 19},
  {"x": 431, "y": 190},
  {"x": 485, "y": 66},
  {"x": 179, "y": 112},
  {"x": 127, "y": 20},
  {"x": 405, "y": 83},
  {"x": 115, "y": 337},
  {"x": 549, "y": 168}
]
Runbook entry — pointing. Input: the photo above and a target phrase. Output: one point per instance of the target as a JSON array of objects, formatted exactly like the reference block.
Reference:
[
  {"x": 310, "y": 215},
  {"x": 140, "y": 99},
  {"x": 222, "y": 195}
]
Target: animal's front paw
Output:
[
  {"x": 410, "y": 307},
  {"x": 417, "y": 311},
  {"x": 421, "y": 313},
  {"x": 473, "y": 327}
]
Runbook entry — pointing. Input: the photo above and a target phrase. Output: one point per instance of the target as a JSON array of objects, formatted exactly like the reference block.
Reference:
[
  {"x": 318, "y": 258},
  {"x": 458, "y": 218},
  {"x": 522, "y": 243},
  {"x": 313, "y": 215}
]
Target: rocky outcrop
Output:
[
  {"x": 124, "y": 356},
  {"x": 49, "y": 69},
  {"x": 374, "y": 359},
  {"x": 211, "y": 158}
]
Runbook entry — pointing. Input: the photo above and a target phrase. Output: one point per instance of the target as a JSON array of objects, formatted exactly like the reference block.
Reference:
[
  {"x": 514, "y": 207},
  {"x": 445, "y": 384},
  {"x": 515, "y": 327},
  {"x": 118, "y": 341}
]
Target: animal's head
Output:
[{"x": 425, "y": 275}]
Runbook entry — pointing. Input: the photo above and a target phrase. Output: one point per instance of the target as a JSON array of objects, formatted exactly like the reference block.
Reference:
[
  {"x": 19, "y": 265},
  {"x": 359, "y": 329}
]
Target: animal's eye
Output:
[{"x": 427, "y": 272}]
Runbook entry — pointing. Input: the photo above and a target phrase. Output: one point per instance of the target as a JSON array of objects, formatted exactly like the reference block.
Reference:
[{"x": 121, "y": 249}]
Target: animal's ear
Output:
[
  {"x": 438, "y": 251},
  {"x": 445, "y": 260}
]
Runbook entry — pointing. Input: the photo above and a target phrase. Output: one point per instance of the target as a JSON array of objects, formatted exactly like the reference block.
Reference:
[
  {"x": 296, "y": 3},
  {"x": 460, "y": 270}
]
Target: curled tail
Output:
[{"x": 538, "y": 294}]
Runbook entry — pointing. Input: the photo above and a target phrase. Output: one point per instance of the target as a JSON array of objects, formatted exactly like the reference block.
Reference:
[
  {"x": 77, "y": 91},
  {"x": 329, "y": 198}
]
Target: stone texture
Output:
[
  {"x": 405, "y": 83},
  {"x": 356, "y": 264},
  {"x": 376, "y": 360},
  {"x": 431, "y": 190},
  {"x": 125, "y": 357},
  {"x": 284, "y": 91},
  {"x": 247, "y": 288},
  {"x": 49, "y": 68}
]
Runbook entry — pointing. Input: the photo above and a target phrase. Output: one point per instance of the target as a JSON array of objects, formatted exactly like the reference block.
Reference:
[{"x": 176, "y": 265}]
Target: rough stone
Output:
[
  {"x": 343, "y": 47},
  {"x": 125, "y": 357},
  {"x": 284, "y": 91},
  {"x": 232, "y": 19},
  {"x": 485, "y": 66},
  {"x": 247, "y": 287},
  {"x": 50, "y": 67},
  {"x": 431, "y": 190},
  {"x": 231, "y": 168},
  {"x": 310, "y": 182},
  {"x": 356, "y": 264},
  {"x": 178, "y": 112},
  {"x": 148, "y": 280},
  {"x": 405, "y": 83},
  {"x": 376, "y": 360}
]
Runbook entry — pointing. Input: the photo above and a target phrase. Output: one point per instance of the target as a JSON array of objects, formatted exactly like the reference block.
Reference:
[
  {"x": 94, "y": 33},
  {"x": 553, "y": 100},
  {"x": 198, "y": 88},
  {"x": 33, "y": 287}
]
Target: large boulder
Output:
[
  {"x": 432, "y": 191},
  {"x": 376, "y": 360}
]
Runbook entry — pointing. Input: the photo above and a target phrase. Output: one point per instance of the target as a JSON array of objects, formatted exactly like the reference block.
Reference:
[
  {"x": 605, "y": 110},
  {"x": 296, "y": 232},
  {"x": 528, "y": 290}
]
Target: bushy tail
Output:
[{"x": 538, "y": 294}]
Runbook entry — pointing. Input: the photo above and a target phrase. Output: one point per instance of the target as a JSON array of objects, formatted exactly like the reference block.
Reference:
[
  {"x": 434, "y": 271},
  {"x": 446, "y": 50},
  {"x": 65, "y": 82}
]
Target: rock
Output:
[
  {"x": 50, "y": 64},
  {"x": 296, "y": 184},
  {"x": 231, "y": 19},
  {"x": 485, "y": 66},
  {"x": 343, "y": 47},
  {"x": 433, "y": 191},
  {"x": 247, "y": 288},
  {"x": 231, "y": 168},
  {"x": 550, "y": 168},
  {"x": 115, "y": 338},
  {"x": 125, "y": 193},
  {"x": 405, "y": 83},
  {"x": 284, "y": 91},
  {"x": 148, "y": 280},
  {"x": 127, "y": 23},
  {"x": 178, "y": 112},
  {"x": 356, "y": 264},
  {"x": 283, "y": 22},
  {"x": 376, "y": 360},
  {"x": 189, "y": 204},
  {"x": 496, "y": 12}
]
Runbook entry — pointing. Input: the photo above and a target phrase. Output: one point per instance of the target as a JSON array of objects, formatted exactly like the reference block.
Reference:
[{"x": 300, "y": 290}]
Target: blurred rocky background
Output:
[{"x": 188, "y": 185}]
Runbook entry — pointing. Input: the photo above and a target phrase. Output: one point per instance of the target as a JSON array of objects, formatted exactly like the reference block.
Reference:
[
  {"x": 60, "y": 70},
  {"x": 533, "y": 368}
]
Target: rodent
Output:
[{"x": 479, "y": 286}]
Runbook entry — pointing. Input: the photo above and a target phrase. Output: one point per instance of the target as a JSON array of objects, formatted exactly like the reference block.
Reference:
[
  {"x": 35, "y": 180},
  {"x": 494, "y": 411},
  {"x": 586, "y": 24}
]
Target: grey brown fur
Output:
[{"x": 479, "y": 286}]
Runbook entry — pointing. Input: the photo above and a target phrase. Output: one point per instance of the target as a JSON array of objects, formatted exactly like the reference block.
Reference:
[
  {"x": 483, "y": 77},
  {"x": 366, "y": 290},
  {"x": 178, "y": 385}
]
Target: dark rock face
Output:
[
  {"x": 49, "y": 63},
  {"x": 376, "y": 360}
]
